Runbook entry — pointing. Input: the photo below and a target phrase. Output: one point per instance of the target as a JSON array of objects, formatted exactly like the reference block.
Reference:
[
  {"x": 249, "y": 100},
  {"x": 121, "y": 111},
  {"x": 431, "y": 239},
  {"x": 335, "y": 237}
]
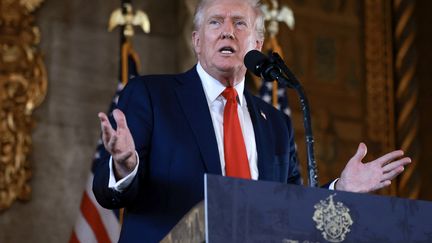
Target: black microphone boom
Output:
[
  {"x": 261, "y": 66},
  {"x": 274, "y": 68}
]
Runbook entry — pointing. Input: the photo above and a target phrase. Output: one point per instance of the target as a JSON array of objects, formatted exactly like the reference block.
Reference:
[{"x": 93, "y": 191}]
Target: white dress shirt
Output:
[{"x": 213, "y": 91}]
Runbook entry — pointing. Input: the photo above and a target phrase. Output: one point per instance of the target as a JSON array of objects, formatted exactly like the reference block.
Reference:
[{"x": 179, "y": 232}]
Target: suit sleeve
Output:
[{"x": 135, "y": 103}]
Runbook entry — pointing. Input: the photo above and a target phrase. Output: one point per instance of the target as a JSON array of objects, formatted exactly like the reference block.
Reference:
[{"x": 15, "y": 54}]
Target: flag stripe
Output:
[
  {"x": 73, "y": 238},
  {"x": 109, "y": 219},
  {"x": 83, "y": 231},
  {"x": 92, "y": 216}
]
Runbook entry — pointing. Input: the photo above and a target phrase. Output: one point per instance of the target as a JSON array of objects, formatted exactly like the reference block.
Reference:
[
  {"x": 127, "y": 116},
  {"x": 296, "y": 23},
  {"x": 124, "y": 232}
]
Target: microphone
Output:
[
  {"x": 269, "y": 69},
  {"x": 261, "y": 66}
]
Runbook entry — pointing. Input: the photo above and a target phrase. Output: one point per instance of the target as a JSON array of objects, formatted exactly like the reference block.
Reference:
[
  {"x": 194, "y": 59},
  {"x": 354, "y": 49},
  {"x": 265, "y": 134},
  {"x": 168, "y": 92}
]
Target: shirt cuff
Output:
[
  {"x": 333, "y": 184},
  {"x": 124, "y": 182}
]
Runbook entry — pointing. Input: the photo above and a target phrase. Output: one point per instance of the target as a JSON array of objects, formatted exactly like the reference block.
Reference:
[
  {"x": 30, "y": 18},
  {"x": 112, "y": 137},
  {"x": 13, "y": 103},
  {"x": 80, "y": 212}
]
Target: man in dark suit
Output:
[{"x": 171, "y": 129}]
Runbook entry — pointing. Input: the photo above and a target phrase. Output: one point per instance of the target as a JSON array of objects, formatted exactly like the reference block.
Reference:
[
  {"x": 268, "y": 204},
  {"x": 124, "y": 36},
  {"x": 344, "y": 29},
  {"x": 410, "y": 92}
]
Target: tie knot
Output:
[{"x": 230, "y": 93}]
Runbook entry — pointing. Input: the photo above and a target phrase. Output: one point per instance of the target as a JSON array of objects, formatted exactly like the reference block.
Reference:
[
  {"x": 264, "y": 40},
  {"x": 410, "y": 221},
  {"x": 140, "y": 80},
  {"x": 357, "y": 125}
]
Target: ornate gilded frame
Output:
[{"x": 23, "y": 85}]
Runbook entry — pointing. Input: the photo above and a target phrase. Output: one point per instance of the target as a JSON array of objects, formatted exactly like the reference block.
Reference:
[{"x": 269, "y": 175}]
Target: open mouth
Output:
[{"x": 227, "y": 50}]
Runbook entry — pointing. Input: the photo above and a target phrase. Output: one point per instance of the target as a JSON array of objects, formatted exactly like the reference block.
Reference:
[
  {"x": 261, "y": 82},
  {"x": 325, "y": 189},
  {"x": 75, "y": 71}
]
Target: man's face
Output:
[{"x": 226, "y": 33}]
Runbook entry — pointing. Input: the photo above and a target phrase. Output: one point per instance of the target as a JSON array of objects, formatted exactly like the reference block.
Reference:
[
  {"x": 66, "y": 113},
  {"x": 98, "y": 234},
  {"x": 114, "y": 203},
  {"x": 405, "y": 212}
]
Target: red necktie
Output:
[{"x": 236, "y": 161}]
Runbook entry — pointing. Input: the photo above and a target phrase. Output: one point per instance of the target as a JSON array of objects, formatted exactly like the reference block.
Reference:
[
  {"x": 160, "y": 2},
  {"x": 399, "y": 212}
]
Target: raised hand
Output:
[
  {"x": 119, "y": 143},
  {"x": 366, "y": 177}
]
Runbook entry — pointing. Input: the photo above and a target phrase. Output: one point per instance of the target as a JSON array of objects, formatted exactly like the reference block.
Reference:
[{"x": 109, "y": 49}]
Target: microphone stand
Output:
[{"x": 292, "y": 82}]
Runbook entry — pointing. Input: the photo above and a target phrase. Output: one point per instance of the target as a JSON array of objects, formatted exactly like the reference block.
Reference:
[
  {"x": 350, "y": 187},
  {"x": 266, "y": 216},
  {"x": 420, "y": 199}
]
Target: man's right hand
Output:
[{"x": 119, "y": 143}]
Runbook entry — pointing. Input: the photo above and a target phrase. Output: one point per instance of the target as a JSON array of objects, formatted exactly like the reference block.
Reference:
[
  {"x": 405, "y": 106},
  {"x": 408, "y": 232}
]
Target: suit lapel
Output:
[
  {"x": 263, "y": 144},
  {"x": 191, "y": 96}
]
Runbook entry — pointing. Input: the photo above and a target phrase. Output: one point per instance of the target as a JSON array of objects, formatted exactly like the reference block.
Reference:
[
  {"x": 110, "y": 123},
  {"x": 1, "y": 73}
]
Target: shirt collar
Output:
[{"x": 213, "y": 88}]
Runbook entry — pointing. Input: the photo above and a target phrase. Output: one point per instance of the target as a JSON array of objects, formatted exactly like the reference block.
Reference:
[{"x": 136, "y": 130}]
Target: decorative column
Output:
[
  {"x": 379, "y": 79},
  {"x": 23, "y": 84},
  {"x": 406, "y": 95}
]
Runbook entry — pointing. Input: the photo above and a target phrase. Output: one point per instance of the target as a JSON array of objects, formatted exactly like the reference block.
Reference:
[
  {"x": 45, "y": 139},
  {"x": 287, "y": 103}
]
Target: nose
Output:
[
  {"x": 228, "y": 31},
  {"x": 227, "y": 35}
]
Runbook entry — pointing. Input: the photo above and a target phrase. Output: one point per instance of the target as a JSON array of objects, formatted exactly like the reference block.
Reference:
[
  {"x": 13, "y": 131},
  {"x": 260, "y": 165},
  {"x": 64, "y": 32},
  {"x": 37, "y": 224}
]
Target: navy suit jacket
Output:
[{"x": 171, "y": 125}]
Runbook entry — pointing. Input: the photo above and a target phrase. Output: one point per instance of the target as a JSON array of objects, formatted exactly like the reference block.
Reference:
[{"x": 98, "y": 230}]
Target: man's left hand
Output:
[{"x": 366, "y": 177}]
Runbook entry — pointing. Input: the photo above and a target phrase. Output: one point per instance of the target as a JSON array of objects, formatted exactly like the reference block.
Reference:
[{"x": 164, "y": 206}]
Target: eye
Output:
[
  {"x": 241, "y": 23},
  {"x": 214, "y": 22}
]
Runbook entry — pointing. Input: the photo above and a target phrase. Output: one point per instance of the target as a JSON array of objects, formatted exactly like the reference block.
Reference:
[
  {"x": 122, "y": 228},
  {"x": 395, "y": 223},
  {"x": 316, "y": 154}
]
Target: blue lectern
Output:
[{"x": 236, "y": 210}]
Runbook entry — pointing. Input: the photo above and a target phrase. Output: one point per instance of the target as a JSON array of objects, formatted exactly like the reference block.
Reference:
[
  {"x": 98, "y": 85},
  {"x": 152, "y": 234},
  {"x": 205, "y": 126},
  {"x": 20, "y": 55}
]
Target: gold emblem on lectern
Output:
[{"x": 332, "y": 219}]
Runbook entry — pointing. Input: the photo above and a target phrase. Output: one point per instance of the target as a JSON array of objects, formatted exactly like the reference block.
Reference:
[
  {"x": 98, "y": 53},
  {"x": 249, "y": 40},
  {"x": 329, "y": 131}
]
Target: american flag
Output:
[
  {"x": 282, "y": 102},
  {"x": 94, "y": 223}
]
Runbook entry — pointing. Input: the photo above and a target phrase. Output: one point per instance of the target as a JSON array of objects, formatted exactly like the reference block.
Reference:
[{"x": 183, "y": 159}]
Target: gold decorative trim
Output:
[
  {"x": 23, "y": 85},
  {"x": 30, "y": 5}
]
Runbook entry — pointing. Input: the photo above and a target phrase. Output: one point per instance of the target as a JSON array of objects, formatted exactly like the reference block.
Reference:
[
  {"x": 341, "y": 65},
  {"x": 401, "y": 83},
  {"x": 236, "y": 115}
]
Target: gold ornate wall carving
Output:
[{"x": 23, "y": 84}]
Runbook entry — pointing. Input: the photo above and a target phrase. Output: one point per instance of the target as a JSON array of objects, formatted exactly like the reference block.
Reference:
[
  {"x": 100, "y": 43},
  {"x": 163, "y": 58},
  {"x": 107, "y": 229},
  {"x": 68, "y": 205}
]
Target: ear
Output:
[
  {"x": 196, "y": 42},
  {"x": 259, "y": 44}
]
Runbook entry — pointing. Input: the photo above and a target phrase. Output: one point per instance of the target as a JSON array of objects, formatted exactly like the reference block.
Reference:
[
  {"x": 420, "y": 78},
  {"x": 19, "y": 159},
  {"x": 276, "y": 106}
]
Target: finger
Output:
[
  {"x": 120, "y": 119},
  {"x": 361, "y": 152},
  {"x": 382, "y": 185},
  {"x": 107, "y": 130},
  {"x": 102, "y": 116},
  {"x": 393, "y": 173},
  {"x": 385, "y": 159},
  {"x": 393, "y": 165},
  {"x": 112, "y": 144}
]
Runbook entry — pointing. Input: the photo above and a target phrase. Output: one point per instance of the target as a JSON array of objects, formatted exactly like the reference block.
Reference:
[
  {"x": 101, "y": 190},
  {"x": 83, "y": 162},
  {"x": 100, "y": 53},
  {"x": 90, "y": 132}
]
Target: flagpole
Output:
[
  {"x": 126, "y": 19},
  {"x": 122, "y": 62}
]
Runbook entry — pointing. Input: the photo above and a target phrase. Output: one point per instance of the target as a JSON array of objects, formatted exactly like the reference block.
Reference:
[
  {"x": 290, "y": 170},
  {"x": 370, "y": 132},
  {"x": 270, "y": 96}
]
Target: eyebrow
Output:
[
  {"x": 239, "y": 18},
  {"x": 216, "y": 16},
  {"x": 234, "y": 17}
]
